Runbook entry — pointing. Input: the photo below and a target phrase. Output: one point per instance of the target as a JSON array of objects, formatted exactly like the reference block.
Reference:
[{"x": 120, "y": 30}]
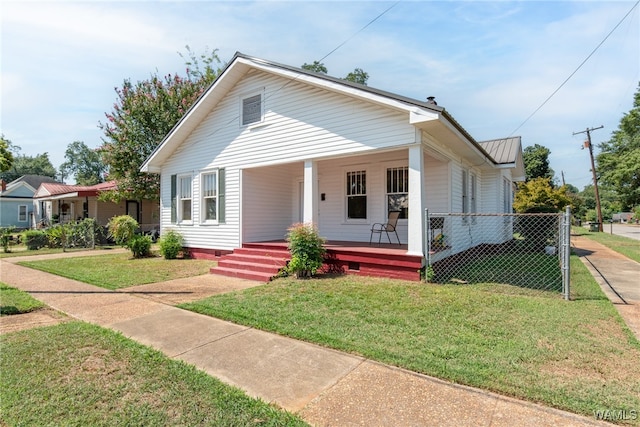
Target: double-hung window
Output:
[
  {"x": 357, "y": 195},
  {"x": 212, "y": 196},
  {"x": 473, "y": 196},
  {"x": 506, "y": 196},
  {"x": 251, "y": 109},
  {"x": 398, "y": 191},
  {"x": 465, "y": 194},
  {"x": 184, "y": 196},
  {"x": 22, "y": 213}
]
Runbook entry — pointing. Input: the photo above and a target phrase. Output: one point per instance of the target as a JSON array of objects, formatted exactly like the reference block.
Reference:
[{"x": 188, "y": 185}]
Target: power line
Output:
[
  {"x": 576, "y": 70},
  {"x": 361, "y": 30}
]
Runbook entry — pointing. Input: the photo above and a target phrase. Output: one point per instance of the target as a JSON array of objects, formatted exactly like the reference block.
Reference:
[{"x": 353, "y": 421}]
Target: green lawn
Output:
[
  {"x": 120, "y": 270},
  {"x": 15, "y": 301},
  {"x": 575, "y": 355},
  {"x": 77, "y": 374}
]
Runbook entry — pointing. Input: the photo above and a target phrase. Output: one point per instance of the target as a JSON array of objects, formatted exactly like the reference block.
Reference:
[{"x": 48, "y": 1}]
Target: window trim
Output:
[
  {"x": 179, "y": 199},
  {"x": 26, "y": 213},
  {"x": 202, "y": 198},
  {"x": 346, "y": 171},
  {"x": 385, "y": 170},
  {"x": 246, "y": 96},
  {"x": 507, "y": 195},
  {"x": 464, "y": 190}
]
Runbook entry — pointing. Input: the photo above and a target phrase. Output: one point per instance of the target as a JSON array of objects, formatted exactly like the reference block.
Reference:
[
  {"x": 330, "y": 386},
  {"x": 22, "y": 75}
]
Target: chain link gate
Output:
[{"x": 513, "y": 251}]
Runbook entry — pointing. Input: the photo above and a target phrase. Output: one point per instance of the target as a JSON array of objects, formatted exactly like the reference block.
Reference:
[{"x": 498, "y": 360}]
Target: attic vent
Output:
[{"x": 251, "y": 110}]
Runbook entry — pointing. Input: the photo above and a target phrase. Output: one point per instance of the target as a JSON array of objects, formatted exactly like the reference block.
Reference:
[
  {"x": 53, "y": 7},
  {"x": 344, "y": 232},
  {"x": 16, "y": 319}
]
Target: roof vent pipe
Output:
[{"x": 431, "y": 100}]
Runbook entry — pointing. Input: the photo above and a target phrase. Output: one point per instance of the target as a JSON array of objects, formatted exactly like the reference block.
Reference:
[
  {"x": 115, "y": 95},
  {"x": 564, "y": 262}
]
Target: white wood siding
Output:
[
  {"x": 268, "y": 201},
  {"x": 301, "y": 123}
]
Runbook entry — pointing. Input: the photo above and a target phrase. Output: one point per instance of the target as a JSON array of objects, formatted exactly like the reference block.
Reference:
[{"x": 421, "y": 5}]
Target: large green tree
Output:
[
  {"x": 538, "y": 195},
  {"x": 6, "y": 156},
  {"x": 536, "y": 162},
  {"x": 143, "y": 114},
  {"x": 29, "y": 165},
  {"x": 84, "y": 163},
  {"x": 618, "y": 162},
  {"x": 358, "y": 75}
]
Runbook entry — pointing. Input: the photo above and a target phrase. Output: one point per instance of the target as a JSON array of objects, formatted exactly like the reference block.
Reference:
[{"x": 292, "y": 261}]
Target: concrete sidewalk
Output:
[
  {"x": 323, "y": 386},
  {"x": 617, "y": 275}
]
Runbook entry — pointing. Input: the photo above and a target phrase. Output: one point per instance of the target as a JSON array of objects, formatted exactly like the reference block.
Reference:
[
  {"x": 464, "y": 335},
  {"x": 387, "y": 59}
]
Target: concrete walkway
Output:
[{"x": 325, "y": 387}]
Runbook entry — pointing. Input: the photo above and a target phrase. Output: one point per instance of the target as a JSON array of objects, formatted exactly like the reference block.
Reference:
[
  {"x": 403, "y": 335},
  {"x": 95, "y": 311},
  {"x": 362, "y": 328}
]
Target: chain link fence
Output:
[
  {"x": 78, "y": 235},
  {"x": 513, "y": 252}
]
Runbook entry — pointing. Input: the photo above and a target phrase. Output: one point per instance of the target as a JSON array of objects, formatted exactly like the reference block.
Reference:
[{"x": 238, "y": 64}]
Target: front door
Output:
[{"x": 133, "y": 210}]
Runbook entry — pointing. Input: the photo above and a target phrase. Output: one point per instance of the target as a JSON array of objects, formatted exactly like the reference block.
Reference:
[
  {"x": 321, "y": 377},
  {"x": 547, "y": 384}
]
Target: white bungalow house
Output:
[{"x": 269, "y": 145}]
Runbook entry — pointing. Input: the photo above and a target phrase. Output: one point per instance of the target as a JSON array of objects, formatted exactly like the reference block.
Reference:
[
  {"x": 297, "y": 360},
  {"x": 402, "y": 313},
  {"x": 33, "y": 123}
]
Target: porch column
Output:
[
  {"x": 415, "y": 223},
  {"x": 310, "y": 205}
]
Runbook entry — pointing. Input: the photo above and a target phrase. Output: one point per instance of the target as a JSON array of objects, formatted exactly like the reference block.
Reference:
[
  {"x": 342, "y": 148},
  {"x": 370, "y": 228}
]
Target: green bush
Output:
[
  {"x": 307, "y": 252},
  {"x": 171, "y": 244},
  {"x": 57, "y": 235},
  {"x": 35, "y": 239},
  {"x": 139, "y": 245},
  {"x": 122, "y": 229},
  {"x": 5, "y": 238}
]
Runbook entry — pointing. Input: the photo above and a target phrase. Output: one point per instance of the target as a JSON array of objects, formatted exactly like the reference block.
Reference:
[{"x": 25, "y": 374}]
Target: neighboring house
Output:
[
  {"x": 16, "y": 200},
  {"x": 269, "y": 145},
  {"x": 62, "y": 203},
  {"x": 622, "y": 217}
]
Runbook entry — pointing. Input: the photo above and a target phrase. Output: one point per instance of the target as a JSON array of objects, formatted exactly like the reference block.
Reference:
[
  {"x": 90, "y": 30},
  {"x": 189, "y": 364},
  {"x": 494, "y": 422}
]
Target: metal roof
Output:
[{"x": 503, "y": 150}]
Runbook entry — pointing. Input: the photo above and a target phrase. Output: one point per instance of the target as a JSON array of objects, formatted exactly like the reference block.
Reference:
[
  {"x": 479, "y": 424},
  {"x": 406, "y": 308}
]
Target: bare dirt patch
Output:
[{"x": 34, "y": 319}]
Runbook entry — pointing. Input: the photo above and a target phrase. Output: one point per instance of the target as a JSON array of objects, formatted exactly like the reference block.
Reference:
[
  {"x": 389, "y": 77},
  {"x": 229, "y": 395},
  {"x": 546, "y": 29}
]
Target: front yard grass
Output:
[
  {"x": 115, "y": 271},
  {"x": 77, "y": 374},
  {"x": 574, "y": 355},
  {"x": 15, "y": 301}
]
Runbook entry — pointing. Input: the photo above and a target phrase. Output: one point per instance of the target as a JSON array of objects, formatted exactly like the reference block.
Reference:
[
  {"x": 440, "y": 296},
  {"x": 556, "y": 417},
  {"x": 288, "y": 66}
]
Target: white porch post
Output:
[
  {"x": 310, "y": 205},
  {"x": 415, "y": 222}
]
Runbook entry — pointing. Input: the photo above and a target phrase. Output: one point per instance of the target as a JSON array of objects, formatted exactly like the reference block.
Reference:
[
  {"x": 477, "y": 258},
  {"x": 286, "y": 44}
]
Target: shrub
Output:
[
  {"x": 5, "y": 238},
  {"x": 57, "y": 235},
  {"x": 171, "y": 244},
  {"x": 139, "y": 245},
  {"x": 35, "y": 239},
  {"x": 122, "y": 229},
  {"x": 307, "y": 252}
]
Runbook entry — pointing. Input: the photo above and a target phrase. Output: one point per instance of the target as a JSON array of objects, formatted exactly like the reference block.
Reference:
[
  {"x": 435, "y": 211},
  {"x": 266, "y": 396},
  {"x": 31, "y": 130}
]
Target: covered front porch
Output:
[{"x": 322, "y": 192}]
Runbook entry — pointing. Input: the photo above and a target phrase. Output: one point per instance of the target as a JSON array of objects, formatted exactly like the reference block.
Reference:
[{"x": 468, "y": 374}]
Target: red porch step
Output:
[
  {"x": 253, "y": 263},
  {"x": 263, "y": 261}
]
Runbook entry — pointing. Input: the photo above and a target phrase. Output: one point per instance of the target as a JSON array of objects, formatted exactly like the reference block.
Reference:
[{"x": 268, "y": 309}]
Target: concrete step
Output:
[{"x": 242, "y": 274}]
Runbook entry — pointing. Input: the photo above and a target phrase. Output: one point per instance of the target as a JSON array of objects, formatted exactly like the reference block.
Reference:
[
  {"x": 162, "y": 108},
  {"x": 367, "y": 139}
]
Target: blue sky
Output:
[{"x": 490, "y": 64}]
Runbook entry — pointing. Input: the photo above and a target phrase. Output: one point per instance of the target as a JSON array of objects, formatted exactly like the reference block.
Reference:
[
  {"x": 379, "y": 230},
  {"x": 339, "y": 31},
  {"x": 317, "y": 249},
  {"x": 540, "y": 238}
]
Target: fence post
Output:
[
  {"x": 427, "y": 240},
  {"x": 566, "y": 253}
]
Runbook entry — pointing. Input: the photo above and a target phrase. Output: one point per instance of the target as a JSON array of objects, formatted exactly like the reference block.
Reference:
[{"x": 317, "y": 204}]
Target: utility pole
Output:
[{"x": 595, "y": 176}]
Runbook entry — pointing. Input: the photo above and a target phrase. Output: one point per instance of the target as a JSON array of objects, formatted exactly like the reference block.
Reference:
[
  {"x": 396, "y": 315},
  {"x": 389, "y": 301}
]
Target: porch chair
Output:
[{"x": 387, "y": 227}]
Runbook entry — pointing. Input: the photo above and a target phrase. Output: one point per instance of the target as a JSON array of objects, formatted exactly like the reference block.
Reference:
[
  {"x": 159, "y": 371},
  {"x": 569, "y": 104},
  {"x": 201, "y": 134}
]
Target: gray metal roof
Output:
[
  {"x": 503, "y": 150},
  {"x": 33, "y": 180}
]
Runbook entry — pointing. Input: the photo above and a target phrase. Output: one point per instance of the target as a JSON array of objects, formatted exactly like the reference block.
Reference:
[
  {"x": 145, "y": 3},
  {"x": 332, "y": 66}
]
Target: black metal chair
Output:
[{"x": 387, "y": 227}]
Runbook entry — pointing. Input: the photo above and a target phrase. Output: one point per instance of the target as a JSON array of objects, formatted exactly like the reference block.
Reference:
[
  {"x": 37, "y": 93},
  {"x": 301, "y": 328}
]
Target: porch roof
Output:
[{"x": 55, "y": 191}]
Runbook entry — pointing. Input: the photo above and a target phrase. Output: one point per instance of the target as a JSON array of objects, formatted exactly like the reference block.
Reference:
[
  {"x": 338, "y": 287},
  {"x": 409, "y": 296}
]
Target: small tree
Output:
[
  {"x": 123, "y": 231},
  {"x": 307, "y": 252},
  {"x": 171, "y": 244}
]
